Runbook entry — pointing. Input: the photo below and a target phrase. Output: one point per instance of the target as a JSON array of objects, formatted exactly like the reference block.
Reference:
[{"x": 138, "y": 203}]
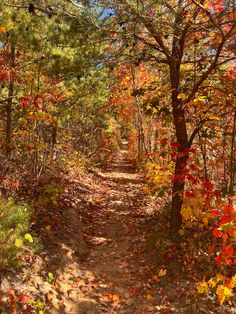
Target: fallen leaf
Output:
[
  {"x": 24, "y": 298},
  {"x": 49, "y": 296},
  {"x": 48, "y": 228},
  {"x": 156, "y": 278},
  {"x": 18, "y": 243},
  {"x": 162, "y": 272},
  {"x": 113, "y": 297}
]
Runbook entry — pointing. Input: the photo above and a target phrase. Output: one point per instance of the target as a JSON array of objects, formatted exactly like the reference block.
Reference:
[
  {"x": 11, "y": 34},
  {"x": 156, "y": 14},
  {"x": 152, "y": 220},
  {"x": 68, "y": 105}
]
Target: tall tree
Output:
[{"x": 177, "y": 34}]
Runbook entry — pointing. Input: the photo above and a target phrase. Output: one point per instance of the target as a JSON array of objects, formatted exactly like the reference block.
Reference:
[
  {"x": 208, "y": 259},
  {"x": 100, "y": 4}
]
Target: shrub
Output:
[
  {"x": 15, "y": 239},
  {"x": 224, "y": 246},
  {"x": 158, "y": 178}
]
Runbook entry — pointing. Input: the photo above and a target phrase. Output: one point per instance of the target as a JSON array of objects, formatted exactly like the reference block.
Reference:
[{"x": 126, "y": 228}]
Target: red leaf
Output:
[
  {"x": 192, "y": 179},
  {"x": 24, "y": 298},
  {"x": 208, "y": 186},
  {"x": 229, "y": 251},
  {"x": 214, "y": 213},
  {"x": 163, "y": 141},
  {"x": 218, "y": 259},
  {"x": 211, "y": 248},
  {"x": 225, "y": 219},
  {"x": 217, "y": 233},
  {"x": 217, "y": 193},
  {"x": 174, "y": 144},
  {"x": 229, "y": 209},
  {"x": 185, "y": 171},
  {"x": 225, "y": 237},
  {"x": 218, "y": 5},
  {"x": 189, "y": 194},
  {"x": 175, "y": 178}
]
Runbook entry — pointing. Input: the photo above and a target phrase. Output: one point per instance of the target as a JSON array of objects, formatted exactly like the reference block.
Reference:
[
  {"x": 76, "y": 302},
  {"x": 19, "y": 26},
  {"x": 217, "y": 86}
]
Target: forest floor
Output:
[{"x": 106, "y": 251}]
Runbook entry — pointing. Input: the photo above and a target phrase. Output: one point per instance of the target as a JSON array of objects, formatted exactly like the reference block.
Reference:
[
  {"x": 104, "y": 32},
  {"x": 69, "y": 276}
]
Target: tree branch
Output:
[{"x": 212, "y": 66}]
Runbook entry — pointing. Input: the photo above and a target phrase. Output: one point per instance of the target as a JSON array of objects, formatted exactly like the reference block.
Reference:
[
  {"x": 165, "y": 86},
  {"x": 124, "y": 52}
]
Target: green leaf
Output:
[
  {"x": 29, "y": 238},
  {"x": 50, "y": 277},
  {"x": 18, "y": 242},
  {"x": 228, "y": 226}
]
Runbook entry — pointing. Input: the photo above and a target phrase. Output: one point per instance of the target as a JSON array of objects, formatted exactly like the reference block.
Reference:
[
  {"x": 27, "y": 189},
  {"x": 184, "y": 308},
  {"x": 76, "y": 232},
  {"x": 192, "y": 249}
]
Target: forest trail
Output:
[
  {"x": 110, "y": 254},
  {"x": 117, "y": 262},
  {"x": 112, "y": 277},
  {"x": 106, "y": 250}
]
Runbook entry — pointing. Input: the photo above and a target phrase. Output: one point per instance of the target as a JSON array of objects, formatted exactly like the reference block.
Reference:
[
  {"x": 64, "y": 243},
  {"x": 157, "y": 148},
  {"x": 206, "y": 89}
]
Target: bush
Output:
[
  {"x": 15, "y": 239},
  {"x": 159, "y": 178}
]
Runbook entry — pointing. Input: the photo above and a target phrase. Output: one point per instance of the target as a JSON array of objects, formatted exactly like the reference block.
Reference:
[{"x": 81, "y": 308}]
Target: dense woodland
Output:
[{"x": 129, "y": 102}]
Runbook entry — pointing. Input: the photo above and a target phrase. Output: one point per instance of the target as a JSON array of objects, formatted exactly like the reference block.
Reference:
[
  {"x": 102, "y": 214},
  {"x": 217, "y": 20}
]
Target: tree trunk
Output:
[
  {"x": 180, "y": 165},
  {"x": 8, "y": 138}
]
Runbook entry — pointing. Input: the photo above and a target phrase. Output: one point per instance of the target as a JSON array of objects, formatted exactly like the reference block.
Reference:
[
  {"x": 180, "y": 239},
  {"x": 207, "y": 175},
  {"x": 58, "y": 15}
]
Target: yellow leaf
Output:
[
  {"x": 181, "y": 96},
  {"x": 213, "y": 117},
  {"x": 212, "y": 283},
  {"x": 186, "y": 212},
  {"x": 149, "y": 297},
  {"x": 29, "y": 238},
  {"x": 232, "y": 283},
  {"x": 202, "y": 287},
  {"x": 48, "y": 228},
  {"x": 227, "y": 292},
  {"x": 18, "y": 243},
  {"x": 205, "y": 221},
  {"x": 181, "y": 232},
  {"x": 207, "y": 4},
  {"x": 223, "y": 293}
]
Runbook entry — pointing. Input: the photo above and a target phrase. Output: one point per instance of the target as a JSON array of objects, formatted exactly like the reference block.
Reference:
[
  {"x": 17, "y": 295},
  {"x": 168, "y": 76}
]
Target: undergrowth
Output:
[{"x": 15, "y": 238}]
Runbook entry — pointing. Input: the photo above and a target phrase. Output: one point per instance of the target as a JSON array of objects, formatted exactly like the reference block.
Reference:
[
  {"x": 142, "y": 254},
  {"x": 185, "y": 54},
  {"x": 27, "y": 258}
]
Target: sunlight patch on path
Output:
[{"x": 119, "y": 175}]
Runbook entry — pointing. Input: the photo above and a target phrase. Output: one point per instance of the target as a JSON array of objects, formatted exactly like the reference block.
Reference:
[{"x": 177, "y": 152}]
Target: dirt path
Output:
[
  {"x": 112, "y": 277},
  {"x": 117, "y": 262}
]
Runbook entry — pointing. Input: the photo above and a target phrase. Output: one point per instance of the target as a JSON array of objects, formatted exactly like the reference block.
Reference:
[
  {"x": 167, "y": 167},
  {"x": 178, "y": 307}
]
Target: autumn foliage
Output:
[{"x": 77, "y": 79}]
